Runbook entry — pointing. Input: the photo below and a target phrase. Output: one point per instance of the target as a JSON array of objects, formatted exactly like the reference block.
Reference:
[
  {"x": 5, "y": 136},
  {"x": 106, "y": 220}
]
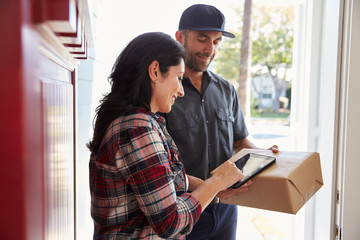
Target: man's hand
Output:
[
  {"x": 245, "y": 143},
  {"x": 225, "y": 194},
  {"x": 274, "y": 149}
]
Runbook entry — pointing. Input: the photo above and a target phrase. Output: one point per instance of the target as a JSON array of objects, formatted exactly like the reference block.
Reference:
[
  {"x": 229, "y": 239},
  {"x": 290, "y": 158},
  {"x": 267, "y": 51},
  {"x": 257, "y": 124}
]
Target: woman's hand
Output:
[{"x": 227, "y": 174}]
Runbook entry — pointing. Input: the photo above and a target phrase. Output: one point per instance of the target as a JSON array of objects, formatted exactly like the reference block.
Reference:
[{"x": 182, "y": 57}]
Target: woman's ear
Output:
[{"x": 154, "y": 71}]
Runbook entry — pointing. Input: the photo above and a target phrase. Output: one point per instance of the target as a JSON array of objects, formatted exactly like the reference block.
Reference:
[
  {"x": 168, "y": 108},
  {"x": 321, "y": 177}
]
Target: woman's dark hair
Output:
[{"x": 130, "y": 81}]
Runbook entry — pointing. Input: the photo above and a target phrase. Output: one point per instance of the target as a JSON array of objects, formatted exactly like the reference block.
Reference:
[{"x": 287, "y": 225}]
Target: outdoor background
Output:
[{"x": 266, "y": 97}]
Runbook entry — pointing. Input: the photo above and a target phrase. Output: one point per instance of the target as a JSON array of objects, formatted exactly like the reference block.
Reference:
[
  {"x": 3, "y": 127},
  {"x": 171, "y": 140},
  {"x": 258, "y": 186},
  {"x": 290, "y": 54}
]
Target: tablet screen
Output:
[{"x": 251, "y": 164}]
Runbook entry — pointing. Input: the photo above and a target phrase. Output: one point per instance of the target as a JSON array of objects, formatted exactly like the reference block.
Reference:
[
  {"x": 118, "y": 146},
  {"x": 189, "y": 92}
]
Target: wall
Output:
[
  {"x": 84, "y": 225},
  {"x": 92, "y": 84}
]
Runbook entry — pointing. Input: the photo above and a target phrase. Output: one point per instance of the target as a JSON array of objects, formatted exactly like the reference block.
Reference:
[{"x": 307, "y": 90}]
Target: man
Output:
[{"x": 207, "y": 124}]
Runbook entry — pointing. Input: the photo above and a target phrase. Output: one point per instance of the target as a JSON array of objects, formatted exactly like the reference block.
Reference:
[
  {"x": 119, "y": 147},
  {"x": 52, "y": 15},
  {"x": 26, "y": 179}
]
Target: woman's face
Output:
[{"x": 167, "y": 88}]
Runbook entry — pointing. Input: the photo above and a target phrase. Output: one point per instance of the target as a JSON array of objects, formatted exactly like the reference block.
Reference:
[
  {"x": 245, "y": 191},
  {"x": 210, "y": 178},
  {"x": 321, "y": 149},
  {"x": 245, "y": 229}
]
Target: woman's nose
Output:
[{"x": 181, "y": 92}]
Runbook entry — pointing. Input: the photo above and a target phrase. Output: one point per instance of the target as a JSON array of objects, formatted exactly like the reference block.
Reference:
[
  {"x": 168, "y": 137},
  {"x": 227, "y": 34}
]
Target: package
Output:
[{"x": 285, "y": 186}]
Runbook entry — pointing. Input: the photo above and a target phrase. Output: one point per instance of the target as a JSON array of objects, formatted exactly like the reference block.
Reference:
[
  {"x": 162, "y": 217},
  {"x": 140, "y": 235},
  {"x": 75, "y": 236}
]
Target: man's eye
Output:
[{"x": 217, "y": 43}]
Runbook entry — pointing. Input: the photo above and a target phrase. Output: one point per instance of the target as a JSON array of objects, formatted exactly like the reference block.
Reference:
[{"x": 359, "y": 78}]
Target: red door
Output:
[{"x": 39, "y": 46}]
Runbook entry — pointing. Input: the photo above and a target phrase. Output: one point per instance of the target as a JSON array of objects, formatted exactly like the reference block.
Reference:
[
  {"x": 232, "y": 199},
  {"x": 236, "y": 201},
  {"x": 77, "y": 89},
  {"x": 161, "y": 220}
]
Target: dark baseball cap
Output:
[{"x": 203, "y": 17}]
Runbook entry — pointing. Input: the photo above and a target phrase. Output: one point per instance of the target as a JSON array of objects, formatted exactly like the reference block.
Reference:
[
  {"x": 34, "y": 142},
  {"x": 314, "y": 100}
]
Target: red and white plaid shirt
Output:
[{"x": 138, "y": 183}]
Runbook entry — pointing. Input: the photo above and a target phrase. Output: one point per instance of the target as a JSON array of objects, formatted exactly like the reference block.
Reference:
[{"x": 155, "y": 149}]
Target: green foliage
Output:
[
  {"x": 271, "y": 50},
  {"x": 272, "y": 43},
  {"x": 279, "y": 115},
  {"x": 272, "y": 38},
  {"x": 227, "y": 61}
]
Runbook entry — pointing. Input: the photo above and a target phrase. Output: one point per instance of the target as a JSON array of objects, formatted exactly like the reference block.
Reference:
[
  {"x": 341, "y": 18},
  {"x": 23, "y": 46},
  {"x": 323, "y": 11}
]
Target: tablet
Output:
[{"x": 252, "y": 164}]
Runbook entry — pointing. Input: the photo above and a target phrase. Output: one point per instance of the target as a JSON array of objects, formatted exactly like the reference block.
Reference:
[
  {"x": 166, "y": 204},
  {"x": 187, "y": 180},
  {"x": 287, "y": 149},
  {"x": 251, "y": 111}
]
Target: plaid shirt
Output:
[{"x": 138, "y": 183}]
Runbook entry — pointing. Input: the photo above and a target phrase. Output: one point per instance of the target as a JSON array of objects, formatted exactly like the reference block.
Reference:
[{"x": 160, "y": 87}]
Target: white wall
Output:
[
  {"x": 84, "y": 224},
  {"x": 90, "y": 73}
]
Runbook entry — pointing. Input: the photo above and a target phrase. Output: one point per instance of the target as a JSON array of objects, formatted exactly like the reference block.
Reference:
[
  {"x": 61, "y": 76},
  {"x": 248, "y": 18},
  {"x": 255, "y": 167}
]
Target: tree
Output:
[
  {"x": 272, "y": 40},
  {"x": 272, "y": 47},
  {"x": 245, "y": 58},
  {"x": 227, "y": 61}
]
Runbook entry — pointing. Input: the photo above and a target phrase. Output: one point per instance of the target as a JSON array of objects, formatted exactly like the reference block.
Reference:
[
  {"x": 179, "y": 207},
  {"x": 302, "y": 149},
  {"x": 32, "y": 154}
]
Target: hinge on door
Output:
[
  {"x": 337, "y": 232},
  {"x": 337, "y": 196}
]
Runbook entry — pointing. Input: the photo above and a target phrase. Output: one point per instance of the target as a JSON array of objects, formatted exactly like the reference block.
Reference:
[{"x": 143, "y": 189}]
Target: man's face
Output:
[{"x": 201, "y": 48}]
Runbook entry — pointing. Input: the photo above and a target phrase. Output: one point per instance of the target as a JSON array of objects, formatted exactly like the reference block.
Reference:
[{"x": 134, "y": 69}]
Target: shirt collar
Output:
[
  {"x": 159, "y": 119},
  {"x": 207, "y": 76}
]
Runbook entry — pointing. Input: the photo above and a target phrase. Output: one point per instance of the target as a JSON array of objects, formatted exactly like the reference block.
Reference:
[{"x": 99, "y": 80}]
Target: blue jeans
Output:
[{"x": 217, "y": 222}]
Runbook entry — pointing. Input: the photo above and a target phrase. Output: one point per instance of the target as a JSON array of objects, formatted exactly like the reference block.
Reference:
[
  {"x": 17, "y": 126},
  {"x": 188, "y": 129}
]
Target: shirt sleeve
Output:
[{"x": 152, "y": 181}]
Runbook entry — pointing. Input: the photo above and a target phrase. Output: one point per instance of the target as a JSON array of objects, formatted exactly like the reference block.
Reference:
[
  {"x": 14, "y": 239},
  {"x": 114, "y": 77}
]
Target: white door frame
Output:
[
  {"x": 316, "y": 95},
  {"x": 348, "y": 210}
]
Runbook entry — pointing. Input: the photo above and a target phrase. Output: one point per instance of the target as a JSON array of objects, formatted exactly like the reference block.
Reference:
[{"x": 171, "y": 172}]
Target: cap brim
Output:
[
  {"x": 228, "y": 34},
  {"x": 225, "y": 33}
]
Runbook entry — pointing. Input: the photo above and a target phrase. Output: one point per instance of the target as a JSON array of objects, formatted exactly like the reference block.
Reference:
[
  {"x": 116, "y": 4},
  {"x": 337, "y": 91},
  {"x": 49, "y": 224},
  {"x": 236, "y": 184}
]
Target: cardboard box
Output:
[{"x": 286, "y": 185}]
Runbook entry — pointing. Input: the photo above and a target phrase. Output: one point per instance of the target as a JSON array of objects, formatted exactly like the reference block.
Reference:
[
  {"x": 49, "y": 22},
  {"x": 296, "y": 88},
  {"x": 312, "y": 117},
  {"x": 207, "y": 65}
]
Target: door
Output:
[{"x": 41, "y": 45}]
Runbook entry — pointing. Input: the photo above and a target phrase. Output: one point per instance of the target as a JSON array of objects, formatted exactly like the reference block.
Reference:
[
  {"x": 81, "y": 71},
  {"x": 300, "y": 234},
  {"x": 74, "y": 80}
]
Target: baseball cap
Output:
[{"x": 203, "y": 17}]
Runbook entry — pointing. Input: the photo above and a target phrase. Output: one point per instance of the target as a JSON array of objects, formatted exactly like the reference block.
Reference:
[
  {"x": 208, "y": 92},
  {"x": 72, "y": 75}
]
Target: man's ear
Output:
[
  {"x": 180, "y": 37},
  {"x": 154, "y": 71}
]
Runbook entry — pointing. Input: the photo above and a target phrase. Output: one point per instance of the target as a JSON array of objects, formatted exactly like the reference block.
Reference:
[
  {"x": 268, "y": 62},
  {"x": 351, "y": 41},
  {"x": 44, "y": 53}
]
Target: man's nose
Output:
[{"x": 210, "y": 48}]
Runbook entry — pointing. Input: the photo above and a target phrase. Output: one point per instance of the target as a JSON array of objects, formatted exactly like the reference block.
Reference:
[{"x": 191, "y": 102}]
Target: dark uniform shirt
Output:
[{"x": 205, "y": 125}]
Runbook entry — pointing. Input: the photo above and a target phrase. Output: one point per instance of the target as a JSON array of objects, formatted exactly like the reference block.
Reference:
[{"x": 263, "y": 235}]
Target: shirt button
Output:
[
  {"x": 207, "y": 122},
  {"x": 202, "y": 100}
]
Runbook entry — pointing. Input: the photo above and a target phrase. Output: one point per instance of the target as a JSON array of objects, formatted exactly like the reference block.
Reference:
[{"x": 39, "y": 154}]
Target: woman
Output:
[{"x": 137, "y": 181}]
